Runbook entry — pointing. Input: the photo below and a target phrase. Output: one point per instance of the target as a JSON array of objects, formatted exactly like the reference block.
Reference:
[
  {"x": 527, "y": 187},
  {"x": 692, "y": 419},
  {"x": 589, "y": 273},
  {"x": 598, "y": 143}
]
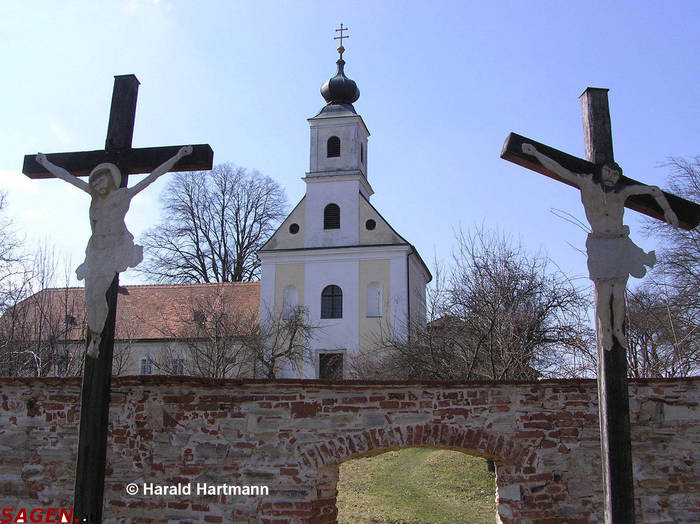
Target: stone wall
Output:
[{"x": 291, "y": 436}]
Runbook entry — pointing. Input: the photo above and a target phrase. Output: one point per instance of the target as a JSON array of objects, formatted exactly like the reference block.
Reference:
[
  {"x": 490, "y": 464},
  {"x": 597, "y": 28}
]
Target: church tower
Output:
[
  {"x": 338, "y": 163},
  {"x": 357, "y": 279}
]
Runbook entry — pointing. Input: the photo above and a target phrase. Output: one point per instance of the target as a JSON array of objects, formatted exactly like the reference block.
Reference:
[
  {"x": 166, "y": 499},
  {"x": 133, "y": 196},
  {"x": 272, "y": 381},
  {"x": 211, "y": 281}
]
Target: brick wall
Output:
[{"x": 291, "y": 436}]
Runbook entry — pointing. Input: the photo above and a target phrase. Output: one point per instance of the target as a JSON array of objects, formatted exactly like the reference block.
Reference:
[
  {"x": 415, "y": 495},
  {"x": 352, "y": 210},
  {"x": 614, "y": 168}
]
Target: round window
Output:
[
  {"x": 370, "y": 224},
  {"x": 294, "y": 229}
]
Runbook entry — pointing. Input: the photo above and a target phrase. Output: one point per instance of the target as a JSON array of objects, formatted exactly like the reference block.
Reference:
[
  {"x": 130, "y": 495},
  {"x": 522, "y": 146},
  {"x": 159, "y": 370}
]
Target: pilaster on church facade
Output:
[{"x": 358, "y": 280}]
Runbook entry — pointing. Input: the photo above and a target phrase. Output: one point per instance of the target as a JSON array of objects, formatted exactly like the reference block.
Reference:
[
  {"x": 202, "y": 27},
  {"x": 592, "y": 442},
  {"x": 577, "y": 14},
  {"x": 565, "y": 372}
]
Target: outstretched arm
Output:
[
  {"x": 552, "y": 165},
  {"x": 160, "y": 170},
  {"x": 660, "y": 198},
  {"x": 61, "y": 173}
]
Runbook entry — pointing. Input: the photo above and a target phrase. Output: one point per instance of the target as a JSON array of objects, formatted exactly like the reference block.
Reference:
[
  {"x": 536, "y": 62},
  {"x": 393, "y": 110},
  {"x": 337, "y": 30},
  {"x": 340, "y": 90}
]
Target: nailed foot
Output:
[
  {"x": 93, "y": 350},
  {"x": 621, "y": 338}
]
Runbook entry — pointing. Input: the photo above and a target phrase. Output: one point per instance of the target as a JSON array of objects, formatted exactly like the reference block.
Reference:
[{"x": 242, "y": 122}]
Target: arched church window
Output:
[
  {"x": 290, "y": 300},
  {"x": 374, "y": 299},
  {"x": 332, "y": 302},
  {"x": 333, "y": 147},
  {"x": 331, "y": 217},
  {"x": 362, "y": 153}
]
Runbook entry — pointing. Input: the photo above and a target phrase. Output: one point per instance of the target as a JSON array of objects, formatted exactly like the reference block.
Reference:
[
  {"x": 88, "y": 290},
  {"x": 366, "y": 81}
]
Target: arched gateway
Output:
[{"x": 321, "y": 460}]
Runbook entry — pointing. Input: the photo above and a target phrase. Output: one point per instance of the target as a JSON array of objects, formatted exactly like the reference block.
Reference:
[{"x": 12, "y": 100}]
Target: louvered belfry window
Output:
[
  {"x": 332, "y": 302},
  {"x": 331, "y": 217},
  {"x": 333, "y": 147}
]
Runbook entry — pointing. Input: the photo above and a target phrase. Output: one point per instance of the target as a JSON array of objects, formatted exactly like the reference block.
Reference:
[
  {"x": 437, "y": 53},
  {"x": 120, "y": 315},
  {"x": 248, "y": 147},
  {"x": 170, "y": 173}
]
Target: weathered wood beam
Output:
[
  {"x": 122, "y": 112},
  {"x": 94, "y": 421},
  {"x": 688, "y": 212},
  {"x": 613, "y": 397},
  {"x": 597, "y": 129},
  {"x": 140, "y": 160}
]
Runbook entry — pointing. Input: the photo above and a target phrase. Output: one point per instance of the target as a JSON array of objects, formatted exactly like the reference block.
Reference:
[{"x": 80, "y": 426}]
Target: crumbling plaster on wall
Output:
[{"x": 291, "y": 436}]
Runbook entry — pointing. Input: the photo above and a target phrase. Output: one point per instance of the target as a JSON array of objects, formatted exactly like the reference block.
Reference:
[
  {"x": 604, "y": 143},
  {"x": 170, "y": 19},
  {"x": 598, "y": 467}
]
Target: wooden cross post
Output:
[
  {"x": 97, "y": 376},
  {"x": 613, "y": 402}
]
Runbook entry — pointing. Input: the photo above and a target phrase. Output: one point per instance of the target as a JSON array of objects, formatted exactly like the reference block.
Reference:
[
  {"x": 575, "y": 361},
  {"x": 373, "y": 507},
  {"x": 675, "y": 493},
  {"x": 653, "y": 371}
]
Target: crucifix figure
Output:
[
  {"x": 110, "y": 250},
  {"x": 612, "y": 258},
  {"x": 111, "y": 247}
]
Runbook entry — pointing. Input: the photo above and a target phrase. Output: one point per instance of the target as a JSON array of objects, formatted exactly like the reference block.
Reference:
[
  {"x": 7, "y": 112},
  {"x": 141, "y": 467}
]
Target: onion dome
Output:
[{"x": 339, "y": 91}]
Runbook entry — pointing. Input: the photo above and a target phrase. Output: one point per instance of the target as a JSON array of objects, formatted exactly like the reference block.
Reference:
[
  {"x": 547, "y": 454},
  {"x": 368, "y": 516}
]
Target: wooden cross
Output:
[
  {"x": 613, "y": 401},
  {"x": 97, "y": 377}
]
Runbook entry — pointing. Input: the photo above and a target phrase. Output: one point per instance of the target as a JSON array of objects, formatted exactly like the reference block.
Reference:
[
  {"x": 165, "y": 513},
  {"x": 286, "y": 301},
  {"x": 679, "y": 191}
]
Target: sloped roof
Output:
[{"x": 147, "y": 312}]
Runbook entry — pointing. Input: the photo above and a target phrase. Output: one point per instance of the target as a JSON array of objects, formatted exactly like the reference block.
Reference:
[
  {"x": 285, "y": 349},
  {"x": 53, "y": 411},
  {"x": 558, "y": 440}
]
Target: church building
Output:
[
  {"x": 335, "y": 255},
  {"x": 335, "y": 260}
]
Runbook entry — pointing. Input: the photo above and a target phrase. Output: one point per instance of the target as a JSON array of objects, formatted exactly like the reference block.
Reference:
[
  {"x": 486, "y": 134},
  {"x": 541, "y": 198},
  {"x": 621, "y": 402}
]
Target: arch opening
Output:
[
  {"x": 322, "y": 460},
  {"x": 333, "y": 147},
  {"x": 332, "y": 302},
  {"x": 416, "y": 484},
  {"x": 331, "y": 217}
]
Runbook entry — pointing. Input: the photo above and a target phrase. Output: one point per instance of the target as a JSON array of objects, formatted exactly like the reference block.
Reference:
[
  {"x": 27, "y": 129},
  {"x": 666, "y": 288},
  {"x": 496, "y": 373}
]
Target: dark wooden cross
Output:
[
  {"x": 97, "y": 376},
  {"x": 613, "y": 401}
]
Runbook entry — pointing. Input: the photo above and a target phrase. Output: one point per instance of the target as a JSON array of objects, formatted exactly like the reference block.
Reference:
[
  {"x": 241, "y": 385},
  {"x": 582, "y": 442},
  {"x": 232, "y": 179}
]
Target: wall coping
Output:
[{"x": 165, "y": 380}]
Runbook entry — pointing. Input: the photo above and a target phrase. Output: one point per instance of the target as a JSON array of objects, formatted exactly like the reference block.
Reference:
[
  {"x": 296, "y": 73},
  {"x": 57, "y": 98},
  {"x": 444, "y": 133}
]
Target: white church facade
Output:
[{"x": 335, "y": 255}]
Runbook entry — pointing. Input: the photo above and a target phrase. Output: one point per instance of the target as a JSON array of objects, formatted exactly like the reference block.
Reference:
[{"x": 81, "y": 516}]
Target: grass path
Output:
[{"x": 416, "y": 485}]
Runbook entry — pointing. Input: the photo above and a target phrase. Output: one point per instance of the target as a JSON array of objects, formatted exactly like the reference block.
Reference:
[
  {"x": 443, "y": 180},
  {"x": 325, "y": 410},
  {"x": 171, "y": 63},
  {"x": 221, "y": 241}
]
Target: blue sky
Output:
[{"x": 442, "y": 84}]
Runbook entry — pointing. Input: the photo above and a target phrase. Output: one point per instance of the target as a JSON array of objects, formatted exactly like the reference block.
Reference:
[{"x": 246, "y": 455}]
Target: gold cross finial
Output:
[{"x": 341, "y": 49}]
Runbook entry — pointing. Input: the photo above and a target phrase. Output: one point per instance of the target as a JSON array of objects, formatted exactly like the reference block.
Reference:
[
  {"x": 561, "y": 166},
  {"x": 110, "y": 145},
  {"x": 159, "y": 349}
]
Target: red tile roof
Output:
[{"x": 151, "y": 311}]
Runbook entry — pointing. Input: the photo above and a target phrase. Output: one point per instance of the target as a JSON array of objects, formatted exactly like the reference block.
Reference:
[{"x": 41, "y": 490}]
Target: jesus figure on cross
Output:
[
  {"x": 612, "y": 256},
  {"x": 111, "y": 247}
]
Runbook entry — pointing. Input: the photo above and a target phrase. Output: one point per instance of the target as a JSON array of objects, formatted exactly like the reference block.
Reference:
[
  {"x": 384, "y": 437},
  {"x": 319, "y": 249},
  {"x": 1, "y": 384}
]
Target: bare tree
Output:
[
  {"x": 207, "y": 339},
  {"x": 437, "y": 350},
  {"x": 500, "y": 314},
  {"x": 519, "y": 310},
  {"x": 11, "y": 259},
  {"x": 679, "y": 270},
  {"x": 213, "y": 337},
  {"x": 284, "y": 338},
  {"x": 663, "y": 336},
  {"x": 42, "y": 329},
  {"x": 214, "y": 224},
  {"x": 123, "y": 354},
  {"x": 14, "y": 360},
  {"x": 664, "y": 313}
]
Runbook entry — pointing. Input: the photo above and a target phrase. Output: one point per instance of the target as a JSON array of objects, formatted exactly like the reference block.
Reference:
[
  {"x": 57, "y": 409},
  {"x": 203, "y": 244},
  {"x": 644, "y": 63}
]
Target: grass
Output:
[{"x": 416, "y": 486}]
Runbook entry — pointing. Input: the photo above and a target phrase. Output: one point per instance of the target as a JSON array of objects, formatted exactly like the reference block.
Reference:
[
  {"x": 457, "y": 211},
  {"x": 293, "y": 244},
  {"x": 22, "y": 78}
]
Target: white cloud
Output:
[
  {"x": 17, "y": 182},
  {"x": 131, "y": 6},
  {"x": 36, "y": 214},
  {"x": 61, "y": 132}
]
